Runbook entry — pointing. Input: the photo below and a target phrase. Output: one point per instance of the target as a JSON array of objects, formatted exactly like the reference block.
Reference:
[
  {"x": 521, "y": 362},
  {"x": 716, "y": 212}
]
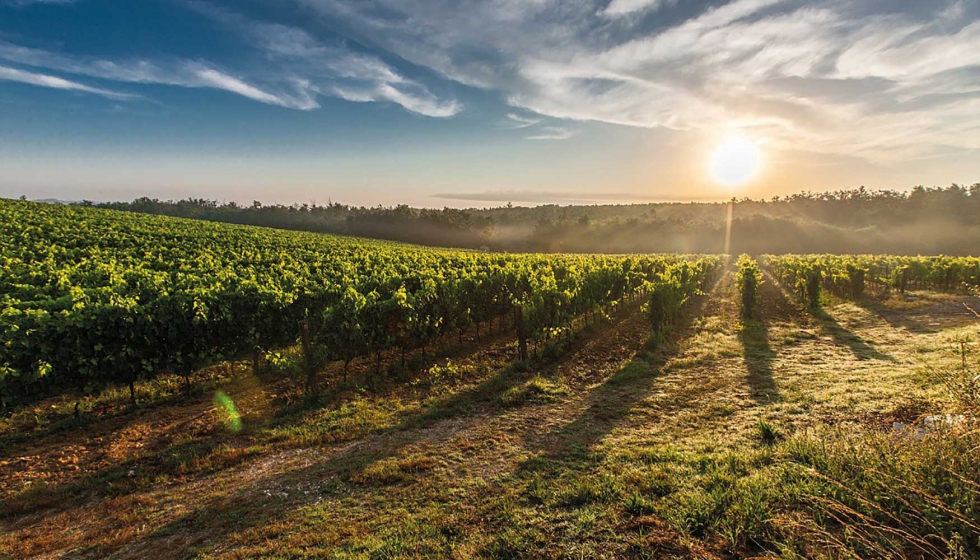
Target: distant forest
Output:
[{"x": 920, "y": 221}]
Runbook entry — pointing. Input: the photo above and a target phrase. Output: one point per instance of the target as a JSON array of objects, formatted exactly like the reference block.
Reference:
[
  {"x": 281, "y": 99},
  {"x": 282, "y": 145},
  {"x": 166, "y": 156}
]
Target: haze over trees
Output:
[{"x": 921, "y": 221}]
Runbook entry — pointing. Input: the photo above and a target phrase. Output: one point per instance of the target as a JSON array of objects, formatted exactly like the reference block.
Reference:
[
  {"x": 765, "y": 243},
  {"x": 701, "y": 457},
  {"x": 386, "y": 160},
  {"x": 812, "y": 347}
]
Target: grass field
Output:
[{"x": 769, "y": 437}]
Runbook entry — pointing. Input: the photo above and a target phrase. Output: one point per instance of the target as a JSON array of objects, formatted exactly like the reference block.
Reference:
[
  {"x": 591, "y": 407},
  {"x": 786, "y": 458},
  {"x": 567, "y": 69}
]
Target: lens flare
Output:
[{"x": 226, "y": 407}]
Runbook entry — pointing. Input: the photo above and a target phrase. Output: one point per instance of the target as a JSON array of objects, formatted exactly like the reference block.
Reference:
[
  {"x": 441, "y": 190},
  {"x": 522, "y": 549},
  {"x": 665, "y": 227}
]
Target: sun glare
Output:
[{"x": 735, "y": 161}]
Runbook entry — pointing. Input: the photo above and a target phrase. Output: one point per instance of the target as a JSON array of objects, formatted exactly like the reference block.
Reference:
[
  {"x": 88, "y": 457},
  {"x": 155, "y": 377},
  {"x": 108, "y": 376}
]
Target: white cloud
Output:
[
  {"x": 422, "y": 104},
  {"x": 552, "y": 133},
  {"x": 337, "y": 70},
  {"x": 298, "y": 69},
  {"x": 623, "y": 7},
  {"x": 44, "y": 80},
  {"x": 909, "y": 52},
  {"x": 520, "y": 121},
  {"x": 893, "y": 80},
  {"x": 870, "y": 77},
  {"x": 210, "y": 77},
  {"x": 174, "y": 73}
]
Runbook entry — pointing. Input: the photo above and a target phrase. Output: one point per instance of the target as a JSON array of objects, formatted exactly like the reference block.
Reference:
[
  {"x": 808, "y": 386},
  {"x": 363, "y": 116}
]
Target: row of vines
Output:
[
  {"x": 93, "y": 297},
  {"x": 856, "y": 276}
]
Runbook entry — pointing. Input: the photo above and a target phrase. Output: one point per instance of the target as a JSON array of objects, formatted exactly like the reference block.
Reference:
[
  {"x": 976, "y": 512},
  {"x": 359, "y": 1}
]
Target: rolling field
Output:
[{"x": 702, "y": 431}]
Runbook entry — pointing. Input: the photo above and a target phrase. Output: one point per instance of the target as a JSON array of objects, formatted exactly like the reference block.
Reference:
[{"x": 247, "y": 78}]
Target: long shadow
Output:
[
  {"x": 861, "y": 349},
  {"x": 245, "y": 510},
  {"x": 120, "y": 479},
  {"x": 249, "y": 507},
  {"x": 899, "y": 321},
  {"x": 828, "y": 325},
  {"x": 612, "y": 401},
  {"x": 927, "y": 320},
  {"x": 361, "y": 455},
  {"x": 758, "y": 356},
  {"x": 119, "y": 417}
]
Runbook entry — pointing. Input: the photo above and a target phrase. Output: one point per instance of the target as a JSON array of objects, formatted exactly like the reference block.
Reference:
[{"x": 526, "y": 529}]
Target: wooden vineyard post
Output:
[
  {"x": 521, "y": 334},
  {"x": 304, "y": 336},
  {"x": 132, "y": 390},
  {"x": 255, "y": 362}
]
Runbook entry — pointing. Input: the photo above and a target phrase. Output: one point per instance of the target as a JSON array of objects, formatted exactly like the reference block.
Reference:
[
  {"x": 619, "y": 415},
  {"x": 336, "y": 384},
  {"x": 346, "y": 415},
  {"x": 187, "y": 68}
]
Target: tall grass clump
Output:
[
  {"x": 749, "y": 279},
  {"x": 887, "y": 495},
  {"x": 895, "y": 493}
]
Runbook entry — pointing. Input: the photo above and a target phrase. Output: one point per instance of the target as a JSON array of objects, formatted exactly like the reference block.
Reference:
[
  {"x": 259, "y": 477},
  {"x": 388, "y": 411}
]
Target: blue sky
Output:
[{"x": 433, "y": 102}]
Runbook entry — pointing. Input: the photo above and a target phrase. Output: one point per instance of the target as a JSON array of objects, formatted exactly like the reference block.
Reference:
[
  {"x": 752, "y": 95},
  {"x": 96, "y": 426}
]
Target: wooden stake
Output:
[{"x": 304, "y": 336}]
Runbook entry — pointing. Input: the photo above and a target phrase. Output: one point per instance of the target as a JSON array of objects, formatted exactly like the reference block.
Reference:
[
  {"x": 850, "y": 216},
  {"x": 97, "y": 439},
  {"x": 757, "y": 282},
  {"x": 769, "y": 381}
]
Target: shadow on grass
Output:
[
  {"x": 899, "y": 321},
  {"x": 758, "y": 358},
  {"x": 265, "y": 499},
  {"x": 119, "y": 413},
  {"x": 861, "y": 349},
  {"x": 260, "y": 501},
  {"x": 612, "y": 401},
  {"x": 826, "y": 323},
  {"x": 930, "y": 319},
  {"x": 252, "y": 507}
]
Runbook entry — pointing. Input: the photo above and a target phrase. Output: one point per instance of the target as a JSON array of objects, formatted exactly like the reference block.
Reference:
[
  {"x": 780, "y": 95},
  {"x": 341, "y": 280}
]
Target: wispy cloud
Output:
[
  {"x": 44, "y": 80},
  {"x": 333, "y": 69},
  {"x": 623, "y": 7},
  {"x": 210, "y": 77},
  {"x": 516, "y": 121},
  {"x": 726, "y": 66},
  {"x": 297, "y": 68},
  {"x": 871, "y": 78},
  {"x": 552, "y": 133},
  {"x": 182, "y": 73}
]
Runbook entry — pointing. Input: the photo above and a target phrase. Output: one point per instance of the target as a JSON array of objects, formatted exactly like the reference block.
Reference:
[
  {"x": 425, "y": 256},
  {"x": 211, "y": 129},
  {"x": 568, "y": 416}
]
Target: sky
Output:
[{"x": 483, "y": 102}]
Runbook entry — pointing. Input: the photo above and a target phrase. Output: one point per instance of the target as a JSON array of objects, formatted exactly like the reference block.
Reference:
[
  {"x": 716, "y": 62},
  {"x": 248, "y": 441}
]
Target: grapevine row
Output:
[{"x": 854, "y": 276}]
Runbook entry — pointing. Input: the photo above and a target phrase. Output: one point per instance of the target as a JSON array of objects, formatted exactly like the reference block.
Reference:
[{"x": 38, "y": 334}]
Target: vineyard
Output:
[
  {"x": 94, "y": 297},
  {"x": 397, "y": 401}
]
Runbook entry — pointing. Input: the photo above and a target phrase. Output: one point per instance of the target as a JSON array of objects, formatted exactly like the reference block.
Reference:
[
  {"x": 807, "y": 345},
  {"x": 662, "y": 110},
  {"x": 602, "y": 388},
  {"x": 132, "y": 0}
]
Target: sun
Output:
[{"x": 735, "y": 161}]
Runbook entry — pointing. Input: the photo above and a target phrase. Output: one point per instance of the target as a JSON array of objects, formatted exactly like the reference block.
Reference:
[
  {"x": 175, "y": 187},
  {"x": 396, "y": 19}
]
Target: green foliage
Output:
[
  {"x": 672, "y": 288},
  {"x": 903, "y": 222},
  {"x": 802, "y": 273},
  {"x": 748, "y": 279},
  {"x": 855, "y": 276}
]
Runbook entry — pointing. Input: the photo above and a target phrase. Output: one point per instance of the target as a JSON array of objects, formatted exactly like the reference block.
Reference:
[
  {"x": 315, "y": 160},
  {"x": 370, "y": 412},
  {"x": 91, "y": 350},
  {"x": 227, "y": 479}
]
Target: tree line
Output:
[{"x": 920, "y": 221}]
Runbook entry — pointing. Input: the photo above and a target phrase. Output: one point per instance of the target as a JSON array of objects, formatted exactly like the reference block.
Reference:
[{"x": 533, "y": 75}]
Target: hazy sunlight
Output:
[{"x": 735, "y": 161}]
